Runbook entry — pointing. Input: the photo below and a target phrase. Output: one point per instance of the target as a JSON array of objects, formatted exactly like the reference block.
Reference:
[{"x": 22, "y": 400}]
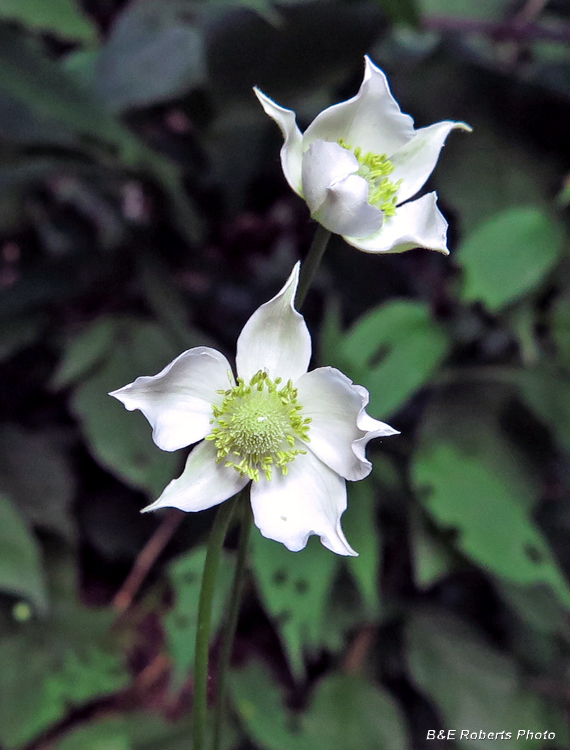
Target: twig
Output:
[
  {"x": 531, "y": 10},
  {"x": 146, "y": 559},
  {"x": 357, "y": 653},
  {"x": 503, "y": 30}
]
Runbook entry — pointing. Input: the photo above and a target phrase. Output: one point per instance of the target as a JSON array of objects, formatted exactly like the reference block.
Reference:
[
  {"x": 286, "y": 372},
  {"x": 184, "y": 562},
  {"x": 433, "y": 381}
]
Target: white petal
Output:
[
  {"x": 337, "y": 408},
  {"x": 275, "y": 338},
  {"x": 203, "y": 483},
  {"x": 372, "y": 427},
  {"x": 336, "y": 196},
  {"x": 292, "y": 149},
  {"x": 310, "y": 499},
  {"x": 415, "y": 161},
  {"x": 416, "y": 224},
  {"x": 372, "y": 119},
  {"x": 178, "y": 401}
]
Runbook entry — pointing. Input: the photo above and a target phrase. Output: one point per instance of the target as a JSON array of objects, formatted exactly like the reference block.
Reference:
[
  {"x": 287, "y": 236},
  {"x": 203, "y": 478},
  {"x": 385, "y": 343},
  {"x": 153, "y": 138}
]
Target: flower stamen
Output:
[
  {"x": 257, "y": 426},
  {"x": 375, "y": 169}
]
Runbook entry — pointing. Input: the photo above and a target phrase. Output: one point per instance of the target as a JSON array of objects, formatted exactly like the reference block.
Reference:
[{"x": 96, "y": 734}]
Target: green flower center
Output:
[
  {"x": 375, "y": 169},
  {"x": 257, "y": 425}
]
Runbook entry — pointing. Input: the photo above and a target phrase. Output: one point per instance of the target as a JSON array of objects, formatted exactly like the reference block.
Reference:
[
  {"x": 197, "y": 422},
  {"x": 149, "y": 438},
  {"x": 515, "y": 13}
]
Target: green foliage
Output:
[
  {"x": 300, "y": 591},
  {"x": 360, "y": 528},
  {"x": 509, "y": 255},
  {"x": 473, "y": 481},
  {"x": 21, "y": 571},
  {"x": 134, "y": 731},
  {"x": 490, "y": 170},
  {"x": 474, "y": 685},
  {"x": 393, "y": 351},
  {"x": 561, "y": 328},
  {"x": 402, "y": 12},
  {"x": 294, "y": 588},
  {"x": 155, "y": 53},
  {"x": 51, "y": 664},
  {"x": 432, "y": 559},
  {"x": 345, "y": 713},
  {"x": 60, "y": 17},
  {"x": 35, "y": 473},
  {"x": 120, "y": 440},
  {"x": 17, "y": 334},
  {"x": 84, "y": 351},
  {"x": 186, "y": 577},
  {"x": 547, "y": 393},
  {"x": 487, "y": 10}
]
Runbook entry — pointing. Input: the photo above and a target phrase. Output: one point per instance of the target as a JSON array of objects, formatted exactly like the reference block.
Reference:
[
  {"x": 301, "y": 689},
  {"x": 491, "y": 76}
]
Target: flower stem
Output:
[
  {"x": 215, "y": 544},
  {"x": 311, "y": 264},
  {"x": 232, "y": 617}
]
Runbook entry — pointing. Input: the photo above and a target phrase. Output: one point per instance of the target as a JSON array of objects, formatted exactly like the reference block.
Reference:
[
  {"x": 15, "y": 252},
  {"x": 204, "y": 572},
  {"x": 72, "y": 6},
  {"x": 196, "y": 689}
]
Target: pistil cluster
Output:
[
  {"x": 375, "y": 169},
  {"x": 257, "y": 426}
]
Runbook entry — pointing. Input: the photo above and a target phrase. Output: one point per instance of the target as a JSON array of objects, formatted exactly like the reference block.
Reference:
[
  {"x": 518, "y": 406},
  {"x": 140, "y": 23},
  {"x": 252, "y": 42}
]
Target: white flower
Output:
[
  {"x": 358, "y": 163},
  {"x": 298, "y": 435}
]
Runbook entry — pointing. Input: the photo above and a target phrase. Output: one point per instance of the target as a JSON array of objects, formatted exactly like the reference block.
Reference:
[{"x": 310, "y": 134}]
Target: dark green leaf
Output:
[
  {"x": 485, "y": 10},
  {"x": 361, "y": 530},
  {"x": 402, "y": 11},
  {"x": 294, "y": 588},
  {"x": 52, "y": 665},
  {"x": 432, "y": 560},
  {"x": 186, "y": 577},
  {"x": 475, "y": 686},
  {"x": 472, "y": 480},
  {"x": 119, "y": 439},
  {"x": 547, "y": 393},
  {"x": 349, "y": 713},
  {"x": 155, "y": 53},
  {"x": 60, "y": 17},
  {"x": 21, "y": 571},
  {"x": 84, "y": 351},
  {"x": 561, "y": 328},
  {"x": 345, "y": 713},
  {"x": 488, "y": 170},
  {"x": 35, "y": 472},
  {"x": 17, "y": 334},
  {"x": 509, "y": 255},
  {"x": 393, "y": 350}
]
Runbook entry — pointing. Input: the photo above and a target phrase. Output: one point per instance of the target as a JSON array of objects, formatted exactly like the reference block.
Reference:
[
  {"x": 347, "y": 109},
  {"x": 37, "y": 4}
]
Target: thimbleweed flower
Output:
[
  {"x": 296, "y": 435},
  {"x": 358, "y": 163}
]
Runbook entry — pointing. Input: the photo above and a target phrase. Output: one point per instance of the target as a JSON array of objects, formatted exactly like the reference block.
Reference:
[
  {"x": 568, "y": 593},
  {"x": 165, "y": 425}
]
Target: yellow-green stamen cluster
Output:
[
  {"x": 375, "y": 169},
  {"x": 257, "y": 426}
]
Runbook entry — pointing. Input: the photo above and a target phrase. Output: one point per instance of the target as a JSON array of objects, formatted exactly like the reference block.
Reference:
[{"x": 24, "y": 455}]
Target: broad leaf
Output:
[
  {"x": 472, "y": 480},
  {"x": 393, "y": 351},
  {"x": 121, "y": 440},
  {"x": 509, "y": 255},
  {"x": 84, "y": 351},
  {"x": 344, "y": 713},
  {"x": 474, "y": 686},
  {"x": 61, "y": 662},
  {"x": 294, "y": 589},
  {"x": 35, "y": 472},
  {"x": 185, "y": 574},
  {"x": 155, "y": 53},
  {"x": 21, "y": 572},
  {"x": 63, "y": 18}
]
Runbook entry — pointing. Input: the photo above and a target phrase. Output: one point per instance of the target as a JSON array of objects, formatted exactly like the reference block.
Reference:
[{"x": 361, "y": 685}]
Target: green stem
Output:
[
  {"x": 215, "y": 544},
  {"x": 311, "y": 264},
  {"x": 232, "y": 617}
]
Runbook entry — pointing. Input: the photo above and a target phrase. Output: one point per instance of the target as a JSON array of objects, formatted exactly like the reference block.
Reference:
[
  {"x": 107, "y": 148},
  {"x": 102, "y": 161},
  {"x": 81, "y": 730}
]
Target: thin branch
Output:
[
  {"x": 501, "y": 31},
  {"x": 146, "y": 559}
]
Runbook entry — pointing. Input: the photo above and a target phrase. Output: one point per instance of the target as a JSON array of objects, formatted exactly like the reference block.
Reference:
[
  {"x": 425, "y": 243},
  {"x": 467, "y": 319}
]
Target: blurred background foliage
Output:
[{"x": 143, "y": 211}]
